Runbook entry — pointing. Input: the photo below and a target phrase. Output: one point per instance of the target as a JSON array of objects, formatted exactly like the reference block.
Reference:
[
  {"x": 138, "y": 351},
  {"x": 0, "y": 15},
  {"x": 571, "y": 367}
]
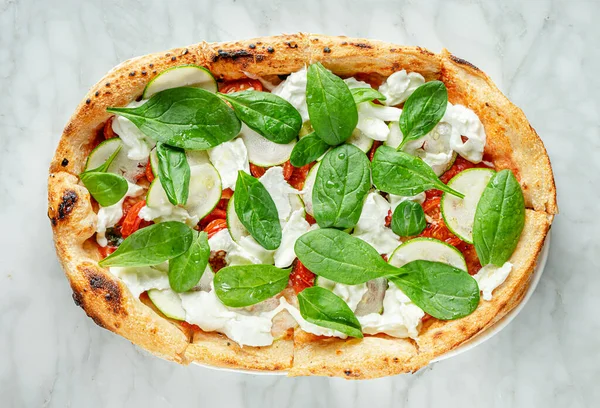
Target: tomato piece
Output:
[
  {"x": 388, "y": 219},
  {"x": 301, "y": 278},
  {"x": 375, "y": 146},
  {"x": 241, "y": 85},
  {"x": 298, "y": 176},
  {"x": 108, "y": 130},
  {"x": 215, "y": 226},
  {"x": 106, "y": 251},
  {"x": 215, "y": 214},
  {"x": 288, "y": 170},
  {"x": 149, "y": 174},
  {"x": 226, "y": 194},
  {"x": 257, "y": 171},
  {"x": 459, "y": 165},
  {"x": 310, "y": 219},
  {"x": 471, "y": 258},
  {"x": 189, "y": 326},
  {"x": 132, "y": 221}
]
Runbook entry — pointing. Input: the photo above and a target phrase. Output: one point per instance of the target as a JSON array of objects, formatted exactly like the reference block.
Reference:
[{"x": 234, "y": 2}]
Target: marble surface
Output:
[{"x": 542, "y": 53}]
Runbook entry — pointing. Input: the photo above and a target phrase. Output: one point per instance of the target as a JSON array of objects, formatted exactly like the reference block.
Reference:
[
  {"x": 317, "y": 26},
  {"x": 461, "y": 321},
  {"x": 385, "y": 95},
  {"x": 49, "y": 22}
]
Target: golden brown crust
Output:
[{"x": 512, "y": 143}]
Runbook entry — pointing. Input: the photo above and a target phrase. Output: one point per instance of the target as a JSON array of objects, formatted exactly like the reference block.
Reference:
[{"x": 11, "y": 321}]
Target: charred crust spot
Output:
[
  {"x": 361, "y": 45},
  {"x": 168, "y": 54},
  {"x": 233, "y": 55},
  {"x": 173, "y": 58},
  {"x": 97, "y": 320},
  {"x": 315, "y": 40},
  {"x": 144, "y": 73},
  {"x": 132, "y": 73},
  {"x": 392, "y": 50},
  {"x": 488, "y": 105},
  {"x": 344, "y": 43},
  {"x": 112, "y": 291},
  {"x": 97, "y": 93},
  {"x": 228, "y": 344},
  {"x": 151, "y": 65},
  {"x": 64, "y": 162},
  {"x": 348, "y": 372},
  {"x": 88, "y": 101},
  {"x": 463, "y": 62},
  {"x": 424, "y": 51},
  {"x": 283, "y": 77},
  {"x": 78, "y": 299},
  {"x": 438, "y": 335},
  {"x": 395, "y": 359},
  {"x": 463, "y": 329},
  {"x": 259, "y": 57},
  {"x": 258, "y": 42},
  {"x": 185, "y": 52},
  {"x": 107, "y": 93},
  {"x": 52, "y": 220},
  {"x": 291, "y": 45},
  {"x": 117, "y": 325},
  {"x": 67, "y": 204},
  {"x": 270, "y": 50},
  {"x": 252, "y": 46},
  {"x": 107, "y": 84},
  {"x": 327, "y": 50},
  {"x": 154, "y": 72}
]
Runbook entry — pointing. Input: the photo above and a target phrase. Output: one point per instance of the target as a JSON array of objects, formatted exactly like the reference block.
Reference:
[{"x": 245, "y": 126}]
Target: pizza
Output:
[{"x": 301, "y": 203}]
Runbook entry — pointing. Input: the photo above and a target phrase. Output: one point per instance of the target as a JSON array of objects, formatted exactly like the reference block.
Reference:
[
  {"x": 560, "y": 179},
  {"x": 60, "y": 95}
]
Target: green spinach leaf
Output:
[
  {"x": 190, "y": 118},
  {"x": 267, "y": 114},
  {"x": 441, "y": 290},
  {"x": 246, "y": 285},
  {"x": 152, "y": 245},
  {"x": 186, "y": 269},
  {"x": 423, "y": 110},
  {"x": 331, "y": 107},
  {"x": 402, "y": 174},
  {"x": 343, "y": 181},
  {"x": 408, "y": 219},
  {"x": 499, "y": 219},
  {"x": 106, "y": 188},
  {"x": 322, "y": 307},
  {"x": 256, "y": 210},
  {"x": 173, "y": 173},
  {"x": 335, "y": 255},
  {"x": 361, "y": 95},
  {"x": 307, "y": 150}
]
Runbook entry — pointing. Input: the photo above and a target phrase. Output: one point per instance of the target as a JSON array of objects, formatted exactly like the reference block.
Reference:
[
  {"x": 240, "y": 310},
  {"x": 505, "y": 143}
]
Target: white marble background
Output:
[{"x": 543, "y": 54}]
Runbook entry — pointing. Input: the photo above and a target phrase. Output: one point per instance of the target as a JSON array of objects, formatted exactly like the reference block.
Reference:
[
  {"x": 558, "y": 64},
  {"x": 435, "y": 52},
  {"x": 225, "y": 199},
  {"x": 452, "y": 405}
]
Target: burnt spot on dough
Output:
[
  {"x": 396, "y": 360},
  {"x": 344, "y": 43},
  {"x": 132, "y": 73},
  {"x": 185, "y": 52},
  {"x": 67, "y": 203},
  {"x": 438, "y": 335},
  {"x": 362, "y": 45},
  {"x": 233, "y": 55},
  {"x": 291, "y": 45},
  {"x": 392, "y": 50},
  {"x": 259, "y": 57},
  {"x": 461, "y": 61},
  {"x": 88, "y": 101},
  {"x": 258, "y": 42},
  {"x": 111, "y": 291},
  {"x": 168, "y": 54},
  {"x": 97, "y": 93},
  {"x": 173, "y": 58},
  {"x": 252, "y": 46},
  {"x": 77, "y": 298},
  {"x": 270, "y": 50},
  {"x": 425, "y": 51},
  {"x": 151, "y": 65},
  {"x": 144, "y": 73},
  {"x": 64, "y": 162},
  {"x": 327, "y": 50},
  {"x": 68, "y": 128},
  {"x": 107, "y": 84}
]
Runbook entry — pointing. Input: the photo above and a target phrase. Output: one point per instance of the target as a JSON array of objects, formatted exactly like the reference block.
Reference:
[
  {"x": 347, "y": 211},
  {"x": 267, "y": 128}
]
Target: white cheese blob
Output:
[
  {"x": 295, "y": 227},
  {"x": 371, "y": 225},
  {"x": 399, "y": 86},
  {"x": 490, "y": 277},
  {"x": 396, "y": 199},
  {"x": 372, "y": 120},
  {"x": 293, "y": 90},
  {"x": 109, "y": 216},
  {"x": 307, "y": 326},
  {"x": 142, "y": 278},
  {"x": 135, "y": 143},
  {"x": 162, "y": 210},
  {"x": 228, "y": 158},
  {"x": 355, "y": 83},
  {"x": 248, "y": 251},
  {"x": 466, "y": 123},
  {"x": 400, "y": 317},
  {"x": 351, "y": 294},
  {"x": 280, "y": 191},
  {"x": 206, "y": 310}
]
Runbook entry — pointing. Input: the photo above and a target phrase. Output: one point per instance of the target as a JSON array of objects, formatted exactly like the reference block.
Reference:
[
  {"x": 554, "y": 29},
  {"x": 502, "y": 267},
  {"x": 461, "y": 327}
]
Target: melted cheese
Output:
[
  {"x": 371, "y": 225},
  {"x": 109, "y": 216},
  {"x": 228, "y": 158},
  {"x": 490, "y": 277}
]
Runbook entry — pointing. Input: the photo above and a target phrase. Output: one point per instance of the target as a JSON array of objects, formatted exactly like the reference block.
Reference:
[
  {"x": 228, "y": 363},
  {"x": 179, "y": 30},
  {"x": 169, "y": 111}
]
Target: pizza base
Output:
[{"x": 511, "y": 142}]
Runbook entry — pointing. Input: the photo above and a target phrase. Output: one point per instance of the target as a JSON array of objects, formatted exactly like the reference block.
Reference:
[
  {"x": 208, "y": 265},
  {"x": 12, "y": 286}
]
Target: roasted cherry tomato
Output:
[
  {"x": 310, "y": 219},
  {"x": 301, "y": 278},
  {"x": 216, "y": 214},
  {"x": 215, "y": 226},
  {"x": 241, "y": 85},
  {"x": 257, "y": 171},
  {"x": 298, "y": 176},
  {"x": 375, "y": 146},
  {"x": 106, "y": 251},
  {"x": 288, "y": 170},
  {"x": 132, "y": 222},
  {"x": 149, "y": 174}
]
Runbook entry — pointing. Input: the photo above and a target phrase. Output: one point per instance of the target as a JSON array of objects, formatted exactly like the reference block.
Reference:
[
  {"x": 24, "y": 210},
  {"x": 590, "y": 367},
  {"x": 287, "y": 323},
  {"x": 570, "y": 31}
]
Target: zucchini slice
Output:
[
  {"x": 264, "y": 153},
  {"x": 183, "y": 75},
  {"x": 121, "y": 165},
  {"x": 168, "y": 302},
  {"x": 427, "y": 249}
]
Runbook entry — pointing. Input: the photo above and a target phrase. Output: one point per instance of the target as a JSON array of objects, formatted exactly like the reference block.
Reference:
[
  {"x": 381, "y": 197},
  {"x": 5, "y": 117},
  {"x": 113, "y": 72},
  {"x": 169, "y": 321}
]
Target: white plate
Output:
[{"x": 486, "y": 335}]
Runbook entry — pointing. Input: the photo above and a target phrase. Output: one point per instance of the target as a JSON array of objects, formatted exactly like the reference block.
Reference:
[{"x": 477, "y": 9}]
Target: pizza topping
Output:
[{"x": 251, "y": 235}]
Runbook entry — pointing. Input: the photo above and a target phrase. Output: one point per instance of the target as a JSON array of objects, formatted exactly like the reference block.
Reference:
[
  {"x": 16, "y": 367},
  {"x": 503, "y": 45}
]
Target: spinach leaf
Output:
[
  {"x": 408, "y": 219},
  {"x": 173, "y": 173},
  {"x": 106, "y": 188},
  {"x": 402, "y": 174},
  {"x": 441, "y": 290},
  {"x": 361, "y": 95},
  {"x": 267, "y": 114},
  {"x": 331, "y": 107},
  {"x": 322, "y": 307},
  {"x": 308, "y": 149},
  {"x": 256, "y": 210},
  {"x": 499, "y": 219},
  {"x": 152, "y": 245},
  {"x": 190, "y": 118},
  {"x": 246, "y": 285},
  {"x": 423, "y": 110},
  {"x": 343, "y": 180},
  {"x": 335, "y": 255},
  {"x": 186, "y": 269}
]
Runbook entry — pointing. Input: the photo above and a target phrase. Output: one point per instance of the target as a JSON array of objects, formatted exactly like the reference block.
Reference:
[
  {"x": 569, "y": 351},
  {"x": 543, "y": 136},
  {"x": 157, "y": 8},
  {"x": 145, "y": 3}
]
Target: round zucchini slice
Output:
[
  {"x": 427, "y": 249},
  {"x": 309, "y": 184},
  {"x": 168, "y": 302},
  {"x": 264, "y": 153},
  {"x": 184, "y": 75},
  {"x": 234, "y": 225},
  {"x": 121, "y": 165},
  {"x": 459, "y": 214},
  {"x": 361, "y": 141}
]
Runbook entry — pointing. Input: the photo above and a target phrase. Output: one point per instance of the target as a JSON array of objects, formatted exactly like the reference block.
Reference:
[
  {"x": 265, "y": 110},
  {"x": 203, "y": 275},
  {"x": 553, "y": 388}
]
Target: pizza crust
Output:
[{"x": 512, "y": 143}]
